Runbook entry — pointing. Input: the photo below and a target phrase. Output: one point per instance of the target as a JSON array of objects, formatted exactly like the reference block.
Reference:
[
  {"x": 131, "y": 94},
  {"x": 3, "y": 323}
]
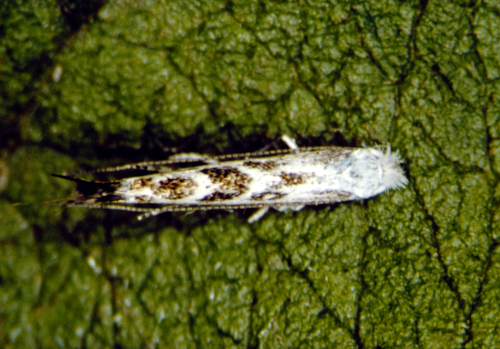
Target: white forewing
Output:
[{"x": 307, "y": 176}]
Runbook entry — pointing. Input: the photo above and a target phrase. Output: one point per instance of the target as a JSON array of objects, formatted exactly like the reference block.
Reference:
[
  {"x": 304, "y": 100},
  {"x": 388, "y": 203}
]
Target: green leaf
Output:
[{"x": 95, "y": 84}]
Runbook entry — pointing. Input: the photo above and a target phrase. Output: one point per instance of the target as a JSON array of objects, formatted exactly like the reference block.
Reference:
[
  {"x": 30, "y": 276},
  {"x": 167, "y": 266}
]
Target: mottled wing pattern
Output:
[{"x": 285, "y": 178}]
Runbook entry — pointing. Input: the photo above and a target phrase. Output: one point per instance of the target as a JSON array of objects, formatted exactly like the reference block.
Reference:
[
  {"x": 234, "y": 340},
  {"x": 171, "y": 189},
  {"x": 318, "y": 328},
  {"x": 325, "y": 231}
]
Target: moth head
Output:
[
  {"x": 373, "y": 171},
  {"x": 391, "y": 172}
]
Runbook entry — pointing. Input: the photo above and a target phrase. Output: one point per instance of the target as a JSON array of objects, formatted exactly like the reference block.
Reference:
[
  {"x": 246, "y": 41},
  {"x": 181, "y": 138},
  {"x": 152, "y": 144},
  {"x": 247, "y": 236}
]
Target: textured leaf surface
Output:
[{"x": 101, "y": 83}]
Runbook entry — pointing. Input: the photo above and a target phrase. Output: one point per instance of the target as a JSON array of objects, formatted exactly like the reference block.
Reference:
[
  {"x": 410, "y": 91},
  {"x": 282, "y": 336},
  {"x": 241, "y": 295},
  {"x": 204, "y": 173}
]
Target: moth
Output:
[{"x": 281, "y": 179}]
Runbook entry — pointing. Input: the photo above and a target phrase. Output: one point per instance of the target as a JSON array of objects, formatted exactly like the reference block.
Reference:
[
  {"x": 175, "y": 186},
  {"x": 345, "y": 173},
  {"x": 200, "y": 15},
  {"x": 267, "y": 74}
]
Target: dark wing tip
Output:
[{"x": 91, "y": 188}]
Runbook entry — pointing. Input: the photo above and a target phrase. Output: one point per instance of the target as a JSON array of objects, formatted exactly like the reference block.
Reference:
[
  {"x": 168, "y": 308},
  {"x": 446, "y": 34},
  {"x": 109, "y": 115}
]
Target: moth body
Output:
[{"x": 308, "y": 176}]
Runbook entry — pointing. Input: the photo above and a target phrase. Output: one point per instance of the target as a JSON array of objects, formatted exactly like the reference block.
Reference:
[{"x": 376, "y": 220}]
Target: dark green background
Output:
[{"x": 94, "y": 83}]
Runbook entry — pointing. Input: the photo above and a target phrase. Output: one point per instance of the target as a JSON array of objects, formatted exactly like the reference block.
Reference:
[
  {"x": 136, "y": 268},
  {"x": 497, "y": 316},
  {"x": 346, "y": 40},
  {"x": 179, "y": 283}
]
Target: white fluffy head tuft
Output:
[{"x": 393, "y": 176}]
